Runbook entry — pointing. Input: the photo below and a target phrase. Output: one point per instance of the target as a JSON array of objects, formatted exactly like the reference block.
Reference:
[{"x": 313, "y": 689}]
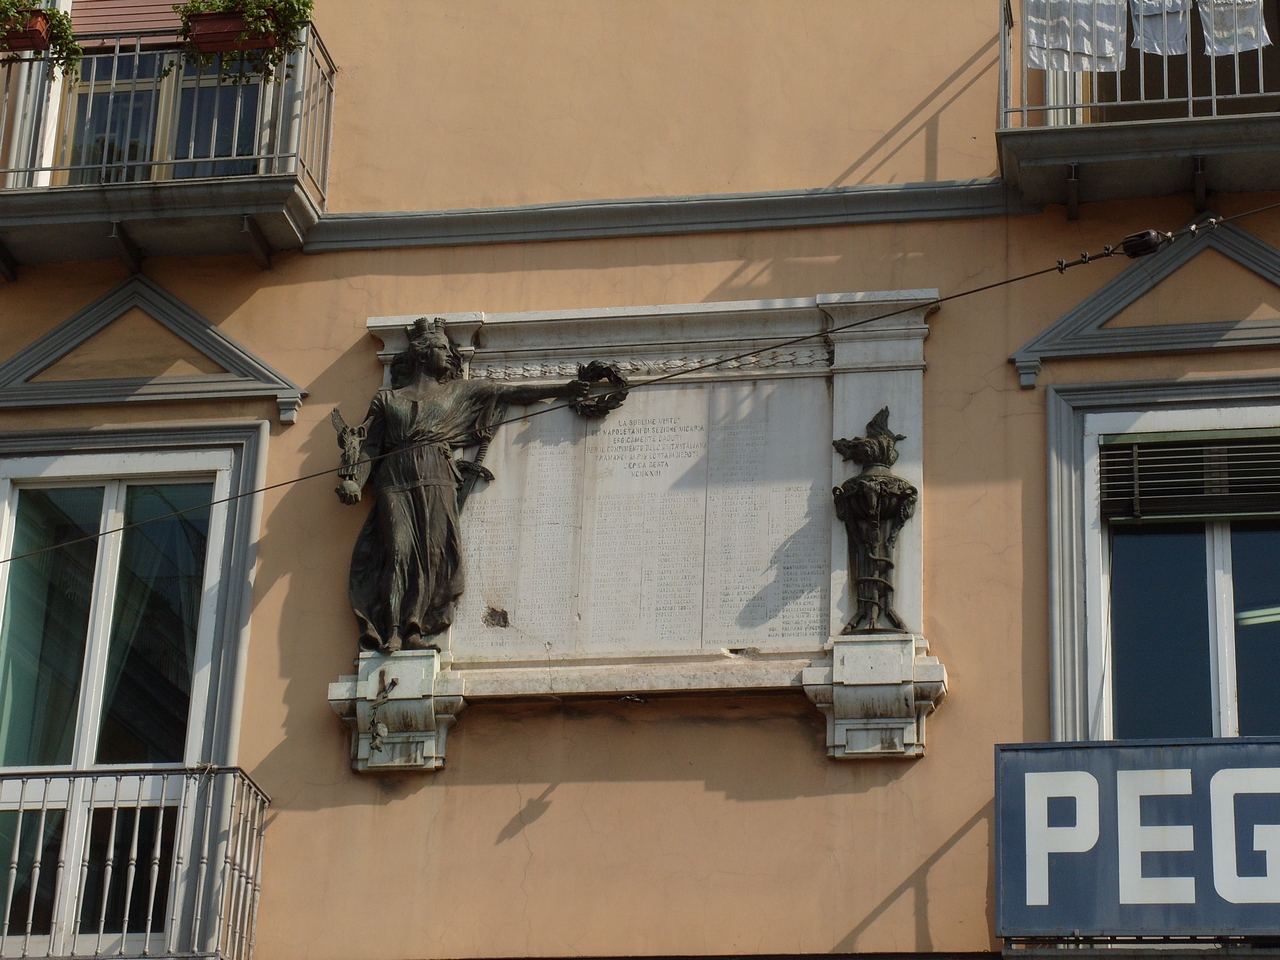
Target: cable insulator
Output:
[{"x": 1141, "y": 244}]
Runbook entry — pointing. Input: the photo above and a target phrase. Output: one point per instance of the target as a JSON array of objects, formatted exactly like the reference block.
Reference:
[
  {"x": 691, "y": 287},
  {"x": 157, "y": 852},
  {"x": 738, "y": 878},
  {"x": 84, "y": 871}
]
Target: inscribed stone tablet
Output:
[{"x": 695, "y": 518}]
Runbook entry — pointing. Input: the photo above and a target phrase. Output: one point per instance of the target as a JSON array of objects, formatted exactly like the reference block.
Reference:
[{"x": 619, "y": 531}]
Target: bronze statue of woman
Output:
[{"x": 406, "y": 569}]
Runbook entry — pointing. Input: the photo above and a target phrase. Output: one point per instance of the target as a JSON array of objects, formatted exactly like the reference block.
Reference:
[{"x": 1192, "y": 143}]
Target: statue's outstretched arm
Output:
[
  {"x": 578, "y": 390},
  {"x": 534, "y": 393}
]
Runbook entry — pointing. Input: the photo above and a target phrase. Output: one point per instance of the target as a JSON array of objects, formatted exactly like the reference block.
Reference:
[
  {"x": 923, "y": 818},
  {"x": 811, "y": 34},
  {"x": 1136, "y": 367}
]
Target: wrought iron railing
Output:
[
  {"x": 140, "y": 109},
  {"x": 130, "y": 863},
  {"x": 1094, "y": 37}
]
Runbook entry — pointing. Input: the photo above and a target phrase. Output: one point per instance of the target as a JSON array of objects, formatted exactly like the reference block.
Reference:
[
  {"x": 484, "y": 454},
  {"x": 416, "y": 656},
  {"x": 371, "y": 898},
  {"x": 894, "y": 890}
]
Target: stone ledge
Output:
[{"x": 666, "y": 216}]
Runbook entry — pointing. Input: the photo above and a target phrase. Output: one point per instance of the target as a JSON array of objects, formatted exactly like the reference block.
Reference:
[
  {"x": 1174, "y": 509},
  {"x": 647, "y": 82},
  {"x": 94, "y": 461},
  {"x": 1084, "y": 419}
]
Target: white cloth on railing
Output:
[
  {"x": 1078, "y": 35},
  {"x": 1233, "y": 26},
  {"x": 1161, "y": 26}
]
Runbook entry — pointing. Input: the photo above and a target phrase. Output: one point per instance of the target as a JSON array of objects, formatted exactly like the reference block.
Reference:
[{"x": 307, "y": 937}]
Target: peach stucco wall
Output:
[
  {"x": 683, "y": 826},
  {"x": 445, "y": 105}
]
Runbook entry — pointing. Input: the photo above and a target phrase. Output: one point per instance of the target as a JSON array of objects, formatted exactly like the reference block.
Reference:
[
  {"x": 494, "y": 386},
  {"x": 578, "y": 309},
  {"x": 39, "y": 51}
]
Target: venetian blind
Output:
[
  {"x": 1205, "y": 477},
  {"x": 102, "y": 16}
]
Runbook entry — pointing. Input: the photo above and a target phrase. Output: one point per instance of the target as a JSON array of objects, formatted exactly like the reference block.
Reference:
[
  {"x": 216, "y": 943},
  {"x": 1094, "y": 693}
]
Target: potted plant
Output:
[
  {"x": 27, "y": 28},
  {"x": 267, "y": 30}
]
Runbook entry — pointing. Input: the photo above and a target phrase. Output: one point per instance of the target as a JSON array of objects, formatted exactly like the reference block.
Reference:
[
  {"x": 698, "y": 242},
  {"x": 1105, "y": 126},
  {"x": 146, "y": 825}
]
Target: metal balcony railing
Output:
[
  {"x": 130, "y": 863},
  {"x": 1090, "y": 38},
  {"x": 141, "y": 109}
]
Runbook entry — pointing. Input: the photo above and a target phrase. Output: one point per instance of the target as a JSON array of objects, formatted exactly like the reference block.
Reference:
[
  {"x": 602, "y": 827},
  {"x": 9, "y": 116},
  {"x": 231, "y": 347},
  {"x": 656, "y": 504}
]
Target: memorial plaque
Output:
[{"x": 696, "y": 518}]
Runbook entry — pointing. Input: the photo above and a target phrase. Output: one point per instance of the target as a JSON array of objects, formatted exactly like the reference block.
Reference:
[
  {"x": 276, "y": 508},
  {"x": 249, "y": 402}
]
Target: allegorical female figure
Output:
[{"x": 406, "y": 570}]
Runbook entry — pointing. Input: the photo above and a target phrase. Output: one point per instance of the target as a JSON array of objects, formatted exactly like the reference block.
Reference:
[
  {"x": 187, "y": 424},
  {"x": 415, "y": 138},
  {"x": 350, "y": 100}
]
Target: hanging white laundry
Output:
[
  {"x": 1079, "y": 35},
  {"x": 1161, "y": 26},
  {"x": 1233, "y": 26}
]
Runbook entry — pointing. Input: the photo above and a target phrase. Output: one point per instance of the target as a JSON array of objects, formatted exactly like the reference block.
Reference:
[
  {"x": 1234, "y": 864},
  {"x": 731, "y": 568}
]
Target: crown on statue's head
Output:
[{"x": 422, "y": 327}]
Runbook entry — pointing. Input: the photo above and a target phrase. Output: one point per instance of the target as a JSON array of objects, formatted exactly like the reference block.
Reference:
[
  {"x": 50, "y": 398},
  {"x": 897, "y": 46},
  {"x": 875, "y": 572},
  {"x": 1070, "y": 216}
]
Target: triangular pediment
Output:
[
  {"x": 139, "y": 343},
  {"x": 1217, "y": 288},
  {"x": 135, "y": 344}
]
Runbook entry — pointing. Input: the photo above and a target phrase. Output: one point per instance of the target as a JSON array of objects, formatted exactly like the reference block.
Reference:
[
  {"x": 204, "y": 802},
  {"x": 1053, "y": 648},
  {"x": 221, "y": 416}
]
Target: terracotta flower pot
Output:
[
  {"x": 33, "y": 36},
  {"x": 220, "y": 32}
]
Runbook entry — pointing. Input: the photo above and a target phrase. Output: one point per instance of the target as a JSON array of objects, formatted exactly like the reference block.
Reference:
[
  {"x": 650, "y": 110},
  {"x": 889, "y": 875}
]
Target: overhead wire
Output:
[{"x": 1134, "y": 246}]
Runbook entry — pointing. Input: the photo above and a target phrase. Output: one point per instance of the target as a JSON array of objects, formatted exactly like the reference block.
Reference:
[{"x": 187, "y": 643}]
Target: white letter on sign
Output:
[
  {"x": 1223, "y": 789},
  {"x": 1131, "y": 787},
  {"x": 1043, "y": 839}
]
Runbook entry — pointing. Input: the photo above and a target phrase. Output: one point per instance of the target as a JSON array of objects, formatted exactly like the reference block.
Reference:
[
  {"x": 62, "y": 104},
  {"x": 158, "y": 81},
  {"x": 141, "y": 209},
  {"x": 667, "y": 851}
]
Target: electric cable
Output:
[{"x": 1134, "y": 246}]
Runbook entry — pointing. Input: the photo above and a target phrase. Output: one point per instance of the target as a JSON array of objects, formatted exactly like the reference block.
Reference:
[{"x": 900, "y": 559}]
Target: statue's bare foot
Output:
[
  {"x": 393, "y": 642},
  {"x": 415, "y": 641}
]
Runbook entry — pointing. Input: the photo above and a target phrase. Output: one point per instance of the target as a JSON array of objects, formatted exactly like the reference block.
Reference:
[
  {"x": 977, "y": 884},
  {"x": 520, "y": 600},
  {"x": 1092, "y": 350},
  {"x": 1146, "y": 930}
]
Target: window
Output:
[
  {"x": 1164, "y": 533},
  {"x": 131, "y": 114},
  {"x": 100, "y": 633},
  {"x": 1194, "y": 572},
  {"x": 122, "y": 619}
]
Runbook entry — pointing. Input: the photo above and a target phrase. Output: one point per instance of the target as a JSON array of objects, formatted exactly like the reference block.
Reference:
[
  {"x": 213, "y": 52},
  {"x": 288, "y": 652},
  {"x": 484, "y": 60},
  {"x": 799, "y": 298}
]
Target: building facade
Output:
[{"x": 689, "y": 700}]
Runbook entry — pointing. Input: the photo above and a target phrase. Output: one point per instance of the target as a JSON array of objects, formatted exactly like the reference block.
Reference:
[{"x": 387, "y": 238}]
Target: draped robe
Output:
[{"x": 406, "y": 569}]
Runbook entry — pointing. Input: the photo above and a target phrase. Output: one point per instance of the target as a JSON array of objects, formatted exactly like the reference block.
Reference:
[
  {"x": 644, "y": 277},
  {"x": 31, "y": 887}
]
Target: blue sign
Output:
[{"x": 1138, "y": 839}]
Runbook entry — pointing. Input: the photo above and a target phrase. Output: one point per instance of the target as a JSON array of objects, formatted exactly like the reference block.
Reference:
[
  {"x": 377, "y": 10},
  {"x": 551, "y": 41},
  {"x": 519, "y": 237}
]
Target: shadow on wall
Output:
[
  {"x": 724, "y": 742},
  {"x": 533, "y": 808},
  {"x": 923, "y": 118},
  {"x": 918, "y": 884}
]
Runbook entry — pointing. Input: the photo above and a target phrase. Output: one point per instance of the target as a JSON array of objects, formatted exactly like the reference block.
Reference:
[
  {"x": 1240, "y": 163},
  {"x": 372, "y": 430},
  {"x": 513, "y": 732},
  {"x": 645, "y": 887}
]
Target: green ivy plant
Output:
[
  {"x": 283, "y": 19},
  {"x": 63, "y": 52}
]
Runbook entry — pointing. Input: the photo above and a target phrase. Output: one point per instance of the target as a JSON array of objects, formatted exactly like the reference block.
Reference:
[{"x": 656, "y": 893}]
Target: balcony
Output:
[
  {"x": 149, "y": 150},
  {"x": 1173, "y": 121},
  {"x": 130, "y": 863}
]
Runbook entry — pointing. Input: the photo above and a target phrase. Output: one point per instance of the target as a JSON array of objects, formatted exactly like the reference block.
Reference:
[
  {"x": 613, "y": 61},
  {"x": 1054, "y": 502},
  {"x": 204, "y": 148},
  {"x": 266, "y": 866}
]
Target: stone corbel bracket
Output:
[
  {"x": 398, "y": 708},
  {"x": 876, "y": 691}
]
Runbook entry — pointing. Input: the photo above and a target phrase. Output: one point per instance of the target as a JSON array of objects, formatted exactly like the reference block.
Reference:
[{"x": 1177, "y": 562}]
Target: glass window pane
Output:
[
  {"x": 1255, "y": 574},
  {"x": 147, "y": 688},
  {"x": 216, "y": 121},
  {"x": 113, "y": 132},
  {"x": 115, "y": 838},
  {"x": 1160, "y": 646},
  {"x": 46, "y": 621},
  {"x": 36, "y": 869}
]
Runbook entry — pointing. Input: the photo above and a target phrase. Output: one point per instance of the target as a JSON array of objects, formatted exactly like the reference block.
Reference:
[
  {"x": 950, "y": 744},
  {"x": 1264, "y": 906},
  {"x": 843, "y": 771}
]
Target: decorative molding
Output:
[
  {"x": 763, "y": 361},
  {"x": 663, "y": 339},
  {"x": 1066, "y": 410},
  {"x": 246, "y": 375},
  {"x": 1081, "y": 332},
  {"x": 666, "y": 216},
  {"x": 247, "y": 445},
  {"x": 876, "y": 691}
]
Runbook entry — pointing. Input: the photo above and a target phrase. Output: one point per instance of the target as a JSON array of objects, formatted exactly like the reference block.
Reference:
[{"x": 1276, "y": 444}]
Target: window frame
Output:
[
  {"x": 1077, "y": 416},
  {"x": 232, "y": 456},
  {"x": 1218, "y": 583},
  {"x": 116, "y": 474}
]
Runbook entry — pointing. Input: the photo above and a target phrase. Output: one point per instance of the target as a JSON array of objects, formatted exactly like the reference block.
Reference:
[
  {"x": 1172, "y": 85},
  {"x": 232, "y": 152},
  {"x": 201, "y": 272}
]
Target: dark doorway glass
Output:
[
  {"x": 46, "y": 622},
  {"x": 1255, "y": 574},
  {"x": 1160, "y": 644},
  {"x": 147, "y": 688}
]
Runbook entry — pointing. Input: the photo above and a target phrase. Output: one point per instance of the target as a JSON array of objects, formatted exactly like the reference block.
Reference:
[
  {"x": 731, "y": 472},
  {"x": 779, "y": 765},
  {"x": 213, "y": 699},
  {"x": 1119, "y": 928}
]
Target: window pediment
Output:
[
  {"x": 1111, "y": 322},
  {"x": 78, "y": 362}
]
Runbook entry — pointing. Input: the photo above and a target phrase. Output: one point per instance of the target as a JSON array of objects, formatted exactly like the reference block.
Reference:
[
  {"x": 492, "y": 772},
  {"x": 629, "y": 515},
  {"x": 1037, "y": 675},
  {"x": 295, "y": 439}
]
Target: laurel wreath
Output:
[{"x": 598, "y": 371}]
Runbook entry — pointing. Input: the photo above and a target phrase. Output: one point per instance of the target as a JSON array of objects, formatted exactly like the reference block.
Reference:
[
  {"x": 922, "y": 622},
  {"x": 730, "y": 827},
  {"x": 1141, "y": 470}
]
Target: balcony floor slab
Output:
[
  {"x": 1147, "y": 158},
  {"x": 173, "y": 218}
]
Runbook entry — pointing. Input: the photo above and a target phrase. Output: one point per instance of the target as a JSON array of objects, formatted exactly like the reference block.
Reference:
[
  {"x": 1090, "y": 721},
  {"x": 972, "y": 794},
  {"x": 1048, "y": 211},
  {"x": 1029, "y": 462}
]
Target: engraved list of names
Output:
[{"x": 694, "y": 518}]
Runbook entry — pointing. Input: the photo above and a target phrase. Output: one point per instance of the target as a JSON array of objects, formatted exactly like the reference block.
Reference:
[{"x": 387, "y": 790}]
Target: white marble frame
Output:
[{"x": 878, "y": 363}]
